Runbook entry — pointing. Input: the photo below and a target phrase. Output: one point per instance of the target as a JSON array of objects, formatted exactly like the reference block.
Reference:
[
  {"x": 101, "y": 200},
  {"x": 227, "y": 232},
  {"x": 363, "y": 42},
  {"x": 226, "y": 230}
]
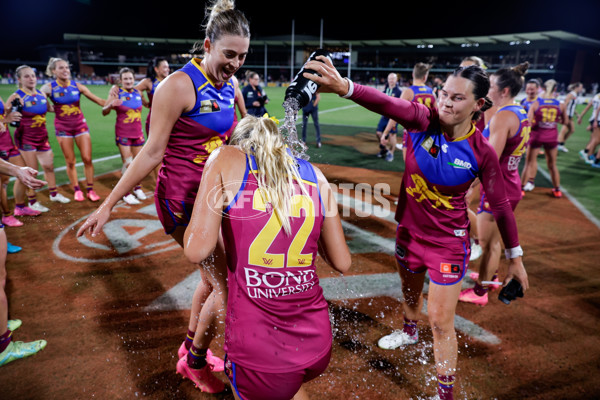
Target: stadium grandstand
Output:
[{"x": 563, "y": 56}]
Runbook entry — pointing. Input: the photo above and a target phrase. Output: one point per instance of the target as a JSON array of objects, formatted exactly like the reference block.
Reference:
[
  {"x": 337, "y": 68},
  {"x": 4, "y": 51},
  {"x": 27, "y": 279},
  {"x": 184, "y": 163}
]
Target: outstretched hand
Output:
[
  {"x": 96, "y": 221},
  {"x": 28, "y": 177},
  {"x": 329, "y": 78}
]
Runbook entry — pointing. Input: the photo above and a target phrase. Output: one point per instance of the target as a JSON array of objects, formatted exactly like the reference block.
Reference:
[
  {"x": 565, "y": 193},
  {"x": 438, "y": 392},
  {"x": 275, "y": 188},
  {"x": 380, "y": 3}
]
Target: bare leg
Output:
[
  {"x": 551, "y": 162},
  {"x": 412, "y": 289},
  {"x": 441, "y": 308},
  {"x": 301, "y": 395},
  {"x": 84, "y": 143},
  {"x": 46, "y": 159},
  {"x": 3, "y": 298},
  {"x": 66, "y": 145}
]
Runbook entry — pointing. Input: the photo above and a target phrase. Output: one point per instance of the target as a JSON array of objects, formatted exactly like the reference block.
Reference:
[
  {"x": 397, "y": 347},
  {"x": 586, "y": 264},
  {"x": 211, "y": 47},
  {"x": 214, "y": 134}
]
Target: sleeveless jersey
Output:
[
  {"x": 129, "y": 115},
  {"x": 423, "y": 95},
  {"x": 32, "y": 127},
  {"x": 513, "y": 151},
  {"x": 572, "y": 104},
  {"x": 68, "y": 115},
  {"x": 526, "y": 103},
  {"x": 195, "y": 135},
  {"x": 545, "y": 120},
  {"x": 277, "y": 317},
  {"x": 6, "y": 142}
]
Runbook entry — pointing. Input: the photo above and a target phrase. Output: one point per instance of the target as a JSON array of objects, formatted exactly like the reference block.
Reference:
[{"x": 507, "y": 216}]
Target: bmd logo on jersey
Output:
[{"x": 461, "y": 164}]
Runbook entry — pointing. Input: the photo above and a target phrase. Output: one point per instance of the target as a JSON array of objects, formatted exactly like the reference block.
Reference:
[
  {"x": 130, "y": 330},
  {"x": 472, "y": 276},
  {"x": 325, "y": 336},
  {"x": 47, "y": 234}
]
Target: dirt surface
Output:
[{"x": 89, "y": 303}]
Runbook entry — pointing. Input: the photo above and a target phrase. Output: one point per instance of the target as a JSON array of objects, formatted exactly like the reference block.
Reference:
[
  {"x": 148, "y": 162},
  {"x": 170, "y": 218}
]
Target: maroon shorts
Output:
[
  {"x": 6, "y": 154},
  {"x": 125, "y": 141},
  {"x": 70, "y": 131},
  {"x": 446, "y": 264},
  {"x": 547, "y": 139},
  {"x": 173, "y": 213},
  {"x": 34, "y": 146},
  {"x": 255, "y": 385}
]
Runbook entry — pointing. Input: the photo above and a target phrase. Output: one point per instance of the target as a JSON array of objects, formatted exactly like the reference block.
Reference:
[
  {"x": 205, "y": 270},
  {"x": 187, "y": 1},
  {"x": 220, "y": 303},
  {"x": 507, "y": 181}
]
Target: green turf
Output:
[{"x": 337, "y": 116}]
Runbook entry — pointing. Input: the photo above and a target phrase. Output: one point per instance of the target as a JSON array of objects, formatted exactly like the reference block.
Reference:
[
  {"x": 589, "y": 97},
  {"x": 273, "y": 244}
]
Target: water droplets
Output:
[{"x": 288, "y": 129}]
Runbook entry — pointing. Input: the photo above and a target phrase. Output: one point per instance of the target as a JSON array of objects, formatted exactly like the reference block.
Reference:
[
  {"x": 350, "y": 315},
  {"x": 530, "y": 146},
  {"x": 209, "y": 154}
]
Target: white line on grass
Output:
[{"x": 573, "y": 200}]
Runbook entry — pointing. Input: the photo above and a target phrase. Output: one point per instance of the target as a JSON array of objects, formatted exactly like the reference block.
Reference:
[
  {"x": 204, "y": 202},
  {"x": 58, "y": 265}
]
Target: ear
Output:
[
  {"x": 478, "y": 104},
  {"x": 207, "y": 45}
]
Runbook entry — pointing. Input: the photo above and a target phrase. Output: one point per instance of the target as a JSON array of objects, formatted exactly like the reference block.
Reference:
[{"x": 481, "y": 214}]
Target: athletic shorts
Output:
[
  {"x": 6, "y": 154},
  {"x": 71, "y": 133},
  {"x": 539, "y": 139},
  {"x": 255, "y": 385},
  {"x": 173, "y": 213},
  {"x": 383, "y": 121},
  {"x": 35, "y": 147},
  {"x": 134, "y": 142},
  {"x": 446, "y": 265}
]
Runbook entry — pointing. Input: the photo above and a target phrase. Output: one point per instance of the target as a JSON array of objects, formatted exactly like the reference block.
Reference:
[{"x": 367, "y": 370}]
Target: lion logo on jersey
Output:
[
  {"x": 38, "y": 120},
  {"x": 68, "y": 110},
  {"x": 133, "y": 116},
  {"x": 214, "y": 143},
  {"x": 421, "y": 192}
]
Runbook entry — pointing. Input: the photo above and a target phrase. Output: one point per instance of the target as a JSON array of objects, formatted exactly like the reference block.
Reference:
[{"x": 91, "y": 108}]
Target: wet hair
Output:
[
  {"x": 512, "y": 78},
  {"x": 223, "y": 19},
  {"x": 18, "y": 72},
  {"x": 52, "y": 65},
  {"x": 421, "y": 70},
  {"x": 476, "y": 61},
  {"x": 481, "y": 85},
  {"x": 534, "y": 81},
  {"x": 276, "y": 168},
  {"x": 154, "y": 63}
]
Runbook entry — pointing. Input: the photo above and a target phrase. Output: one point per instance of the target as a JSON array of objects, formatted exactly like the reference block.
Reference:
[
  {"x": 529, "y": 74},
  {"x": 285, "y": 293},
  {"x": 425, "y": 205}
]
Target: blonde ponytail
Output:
[{"x": 276, "y": 168}]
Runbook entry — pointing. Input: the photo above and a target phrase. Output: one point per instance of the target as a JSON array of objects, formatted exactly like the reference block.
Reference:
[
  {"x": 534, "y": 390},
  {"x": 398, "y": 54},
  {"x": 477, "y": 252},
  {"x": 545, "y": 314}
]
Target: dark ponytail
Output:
[
  {"x": 481, "y": 85},
  {"x": 512, "y": 78},
  {"x": 154, "y": 63}
]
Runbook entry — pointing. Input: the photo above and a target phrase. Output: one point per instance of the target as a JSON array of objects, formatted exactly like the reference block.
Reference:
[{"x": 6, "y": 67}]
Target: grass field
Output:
[{"x": 338, "y": 117}]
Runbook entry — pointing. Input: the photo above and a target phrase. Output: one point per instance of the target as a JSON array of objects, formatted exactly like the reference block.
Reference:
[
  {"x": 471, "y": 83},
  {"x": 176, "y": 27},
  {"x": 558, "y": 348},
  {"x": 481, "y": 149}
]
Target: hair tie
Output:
[{"x": 271, "y": 118}]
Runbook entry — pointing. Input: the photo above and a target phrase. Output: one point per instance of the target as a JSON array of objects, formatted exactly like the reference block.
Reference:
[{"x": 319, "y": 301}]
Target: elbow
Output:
[
  {"x": 343, "y": 262},
  {"x": 196, "y": 255}
]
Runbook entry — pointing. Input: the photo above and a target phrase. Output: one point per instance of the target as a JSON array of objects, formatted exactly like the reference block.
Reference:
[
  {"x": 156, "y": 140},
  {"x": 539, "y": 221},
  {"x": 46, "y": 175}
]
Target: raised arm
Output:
[{"x": 412, "y": 116}]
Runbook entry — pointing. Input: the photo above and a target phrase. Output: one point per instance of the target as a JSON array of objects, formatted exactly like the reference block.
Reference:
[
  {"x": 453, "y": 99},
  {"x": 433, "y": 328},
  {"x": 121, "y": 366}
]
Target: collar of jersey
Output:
[{"x": 472, "y": 131}]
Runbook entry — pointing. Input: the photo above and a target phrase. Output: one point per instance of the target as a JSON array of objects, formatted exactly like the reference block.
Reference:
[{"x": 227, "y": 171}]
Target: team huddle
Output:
[{"x": 256, "y": 242}]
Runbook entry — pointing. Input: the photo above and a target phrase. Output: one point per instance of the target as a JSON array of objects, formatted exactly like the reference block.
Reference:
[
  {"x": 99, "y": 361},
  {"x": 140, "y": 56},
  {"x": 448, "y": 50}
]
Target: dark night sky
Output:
[{"x": 33, "y": 23}]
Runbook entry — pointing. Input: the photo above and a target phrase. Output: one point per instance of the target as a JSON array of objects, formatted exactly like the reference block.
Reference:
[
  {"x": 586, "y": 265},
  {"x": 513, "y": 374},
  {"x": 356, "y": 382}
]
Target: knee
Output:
[{"x": 442, "y": 325}]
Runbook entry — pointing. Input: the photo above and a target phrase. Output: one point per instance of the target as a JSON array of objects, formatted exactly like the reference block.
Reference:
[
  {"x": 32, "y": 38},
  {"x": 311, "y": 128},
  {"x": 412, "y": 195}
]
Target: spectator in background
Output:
[
  {"x": 255, "y": 97},
  {"x": 312, "y": 110}
]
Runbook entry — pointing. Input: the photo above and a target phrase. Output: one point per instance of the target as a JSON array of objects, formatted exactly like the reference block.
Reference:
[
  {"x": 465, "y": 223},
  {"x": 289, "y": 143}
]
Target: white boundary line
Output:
[{"x": 573, "y": 200}]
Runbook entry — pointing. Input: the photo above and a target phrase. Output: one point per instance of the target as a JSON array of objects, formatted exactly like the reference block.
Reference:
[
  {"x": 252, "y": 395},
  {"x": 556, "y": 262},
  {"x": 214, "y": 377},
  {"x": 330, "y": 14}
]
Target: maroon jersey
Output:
[{"x": 277, "y": 316}]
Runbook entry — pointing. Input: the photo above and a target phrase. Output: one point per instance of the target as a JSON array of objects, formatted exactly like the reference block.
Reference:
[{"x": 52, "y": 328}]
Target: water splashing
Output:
[{"x": 288, "y": 129}]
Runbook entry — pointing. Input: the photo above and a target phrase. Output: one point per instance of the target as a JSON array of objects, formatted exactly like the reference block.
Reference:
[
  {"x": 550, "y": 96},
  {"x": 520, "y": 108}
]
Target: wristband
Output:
[
  {"x": 513, "y": 253},
  {"x": 350, "y": 89}
]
